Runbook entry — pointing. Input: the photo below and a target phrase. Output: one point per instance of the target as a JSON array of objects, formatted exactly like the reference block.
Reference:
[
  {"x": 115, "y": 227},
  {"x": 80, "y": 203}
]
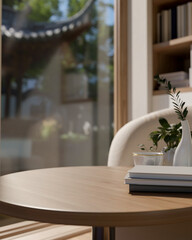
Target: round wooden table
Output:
[{"x": 92, "y": 196}]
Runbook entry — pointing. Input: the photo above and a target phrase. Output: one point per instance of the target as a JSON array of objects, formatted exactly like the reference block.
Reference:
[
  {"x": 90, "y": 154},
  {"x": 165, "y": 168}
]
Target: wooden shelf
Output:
[
  {"x": 176, "y": 46},
  {"x": 168, "y": 2},
  {"x": 161, "y": 92}
]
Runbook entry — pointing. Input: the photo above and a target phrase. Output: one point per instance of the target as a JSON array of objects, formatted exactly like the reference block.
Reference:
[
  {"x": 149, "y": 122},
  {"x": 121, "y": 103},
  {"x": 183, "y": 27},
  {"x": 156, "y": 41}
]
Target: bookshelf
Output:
[
  {"x": 172, "y": 55},
  {"x": 183, "y": 90}
]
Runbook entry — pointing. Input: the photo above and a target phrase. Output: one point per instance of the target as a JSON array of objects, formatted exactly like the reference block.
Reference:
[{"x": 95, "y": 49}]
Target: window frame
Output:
[{"x": 120, "y": 64}]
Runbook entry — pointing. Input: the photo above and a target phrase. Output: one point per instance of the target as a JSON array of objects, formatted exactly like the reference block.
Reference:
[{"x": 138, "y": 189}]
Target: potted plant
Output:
[
  {"x": 170, "y": 134},
  {"x": 183, "y": 153},
  {"x": 177, "y": 137}
]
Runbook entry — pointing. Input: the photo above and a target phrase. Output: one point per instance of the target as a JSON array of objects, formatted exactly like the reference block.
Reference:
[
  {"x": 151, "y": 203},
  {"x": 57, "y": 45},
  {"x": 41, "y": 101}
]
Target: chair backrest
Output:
[{"x": 136, "y": 132}]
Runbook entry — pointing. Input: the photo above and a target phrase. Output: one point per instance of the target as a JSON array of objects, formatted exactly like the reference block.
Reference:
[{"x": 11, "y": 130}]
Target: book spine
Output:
[
  {"x": 185, "y": 20},
  {"x": 165, "y": 25},
  {"x": 180, "y": 84},
  {"x": 189, "y": 14},
  {"x": 169, "y": 24},
  {"x": 182, "y": 12},
  {"x": 159, "y": 176},
  {"x": 179, "y": 31},
  {"x": 159, "y": 27},
  {"x": 173, "y": 23},
  {"x": 152, "y": 188},
  {"x": 158, "y": 182}
]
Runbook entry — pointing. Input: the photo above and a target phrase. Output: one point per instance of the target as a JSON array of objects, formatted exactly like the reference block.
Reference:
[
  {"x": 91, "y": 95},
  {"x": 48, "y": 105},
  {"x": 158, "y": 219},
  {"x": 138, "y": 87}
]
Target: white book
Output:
[
  {"x": 176, "y": 84},
  {"x": 178, "y": 79},
  {"x": 175, "y": 75},
  {"x": 179, "y": 84},
  {"x": 160, "y": 172},
  {"x": 158, "y": 182},
  {"x": 189, "y": 15}
]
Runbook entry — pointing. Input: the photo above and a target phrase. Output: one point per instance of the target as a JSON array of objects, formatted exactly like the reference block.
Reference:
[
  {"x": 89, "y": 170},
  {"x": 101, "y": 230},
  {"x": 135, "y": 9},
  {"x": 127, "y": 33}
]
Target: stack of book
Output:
[
  {"x": 145, "y": 178},
  {"x": 175, "y": 22},
  {"x": 177, "y": 79}
]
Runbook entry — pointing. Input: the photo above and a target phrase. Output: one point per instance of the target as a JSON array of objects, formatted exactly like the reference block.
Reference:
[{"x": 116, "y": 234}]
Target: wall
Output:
[
  {"x": 164, "y": 101},
  {"x": 140, "y": 58}
]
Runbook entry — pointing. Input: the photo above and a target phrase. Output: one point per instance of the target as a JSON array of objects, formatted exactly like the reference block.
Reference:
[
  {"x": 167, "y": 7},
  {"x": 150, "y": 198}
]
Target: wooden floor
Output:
[
  {"x": 30, "y": 230},
  {"x": 4, "y": 220}
]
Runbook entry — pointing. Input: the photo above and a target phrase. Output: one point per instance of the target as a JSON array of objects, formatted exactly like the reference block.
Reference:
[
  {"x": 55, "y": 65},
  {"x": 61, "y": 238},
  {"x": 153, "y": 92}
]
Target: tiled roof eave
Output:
[{"x": 50, "y": 30}]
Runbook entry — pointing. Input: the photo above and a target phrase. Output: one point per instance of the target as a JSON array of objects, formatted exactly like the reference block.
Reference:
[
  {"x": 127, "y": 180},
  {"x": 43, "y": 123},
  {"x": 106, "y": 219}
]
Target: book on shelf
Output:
[
  {"x": 159, "y": 27},
  {"x": 164, "y": 29},
  {"x": 165, "y": 26},
  {"x": 177, "y": 79},
  {"x": 184, "y": 20},
  {"x": 180, "y": 84},
  {"x": 169, "y": 25},
  {"x": 189, "y": 14},
  {"x": 175, "y": 76},
  {"x": 179, "y": 22},
  {"x": 175, "y": 22},
  {"x": 177, "y": 84}
]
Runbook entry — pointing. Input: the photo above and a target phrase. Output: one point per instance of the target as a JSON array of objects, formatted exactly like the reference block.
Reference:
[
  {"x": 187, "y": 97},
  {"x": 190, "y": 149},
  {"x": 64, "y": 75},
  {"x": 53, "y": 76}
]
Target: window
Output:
[{"x": 57, "y": 83}]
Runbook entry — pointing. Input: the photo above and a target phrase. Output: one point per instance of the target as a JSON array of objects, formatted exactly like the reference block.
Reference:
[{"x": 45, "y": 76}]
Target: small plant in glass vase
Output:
[
  {"x": 183, "y": 152},
  {"x": 170, "y": 134}
]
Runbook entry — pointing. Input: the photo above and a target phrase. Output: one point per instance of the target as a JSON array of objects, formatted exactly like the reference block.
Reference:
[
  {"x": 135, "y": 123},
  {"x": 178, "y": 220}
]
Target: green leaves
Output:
[
  {"x": 185, "y": 112},
  {"x": 40, "y": 11},
  {"x": 169, "y": 86},
  {"x": 178, "y": 104},
  {"x": 142, "y": 146},
  {"x": 164, "y": 123},
  {"x": 169, "y": 133},
  {"x": 155, "y": 137}
]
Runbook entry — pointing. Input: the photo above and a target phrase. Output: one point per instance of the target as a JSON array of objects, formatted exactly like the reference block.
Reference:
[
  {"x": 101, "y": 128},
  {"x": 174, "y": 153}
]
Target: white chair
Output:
[
  {"x": 124, "y": 143},
  {"x": 137, "y": 132}
]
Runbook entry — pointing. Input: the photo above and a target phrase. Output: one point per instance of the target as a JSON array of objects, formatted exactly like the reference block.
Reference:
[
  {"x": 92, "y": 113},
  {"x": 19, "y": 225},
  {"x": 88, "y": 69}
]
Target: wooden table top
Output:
[{"x": 93, "y": 196}]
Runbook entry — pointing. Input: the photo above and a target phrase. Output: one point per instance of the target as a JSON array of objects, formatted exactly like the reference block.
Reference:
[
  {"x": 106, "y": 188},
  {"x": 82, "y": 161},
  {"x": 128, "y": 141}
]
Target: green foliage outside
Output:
[
  {"x": 39, "y": 10},
  {"x": 83, "y": 53},
  {"x": 75, "y": 6},
  {"x": 85, "y": 48}
]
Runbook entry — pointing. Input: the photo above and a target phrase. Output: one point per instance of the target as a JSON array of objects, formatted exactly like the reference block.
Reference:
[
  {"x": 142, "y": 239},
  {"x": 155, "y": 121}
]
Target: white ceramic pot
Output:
[
  {"x": 168, "y": 157},
  {"x": 183, "y": 153}
]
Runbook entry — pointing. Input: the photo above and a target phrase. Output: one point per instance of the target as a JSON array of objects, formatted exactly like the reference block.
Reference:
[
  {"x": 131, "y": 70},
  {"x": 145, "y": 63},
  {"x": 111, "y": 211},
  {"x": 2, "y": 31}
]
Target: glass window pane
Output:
[{"x": 57, "y": 83}]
